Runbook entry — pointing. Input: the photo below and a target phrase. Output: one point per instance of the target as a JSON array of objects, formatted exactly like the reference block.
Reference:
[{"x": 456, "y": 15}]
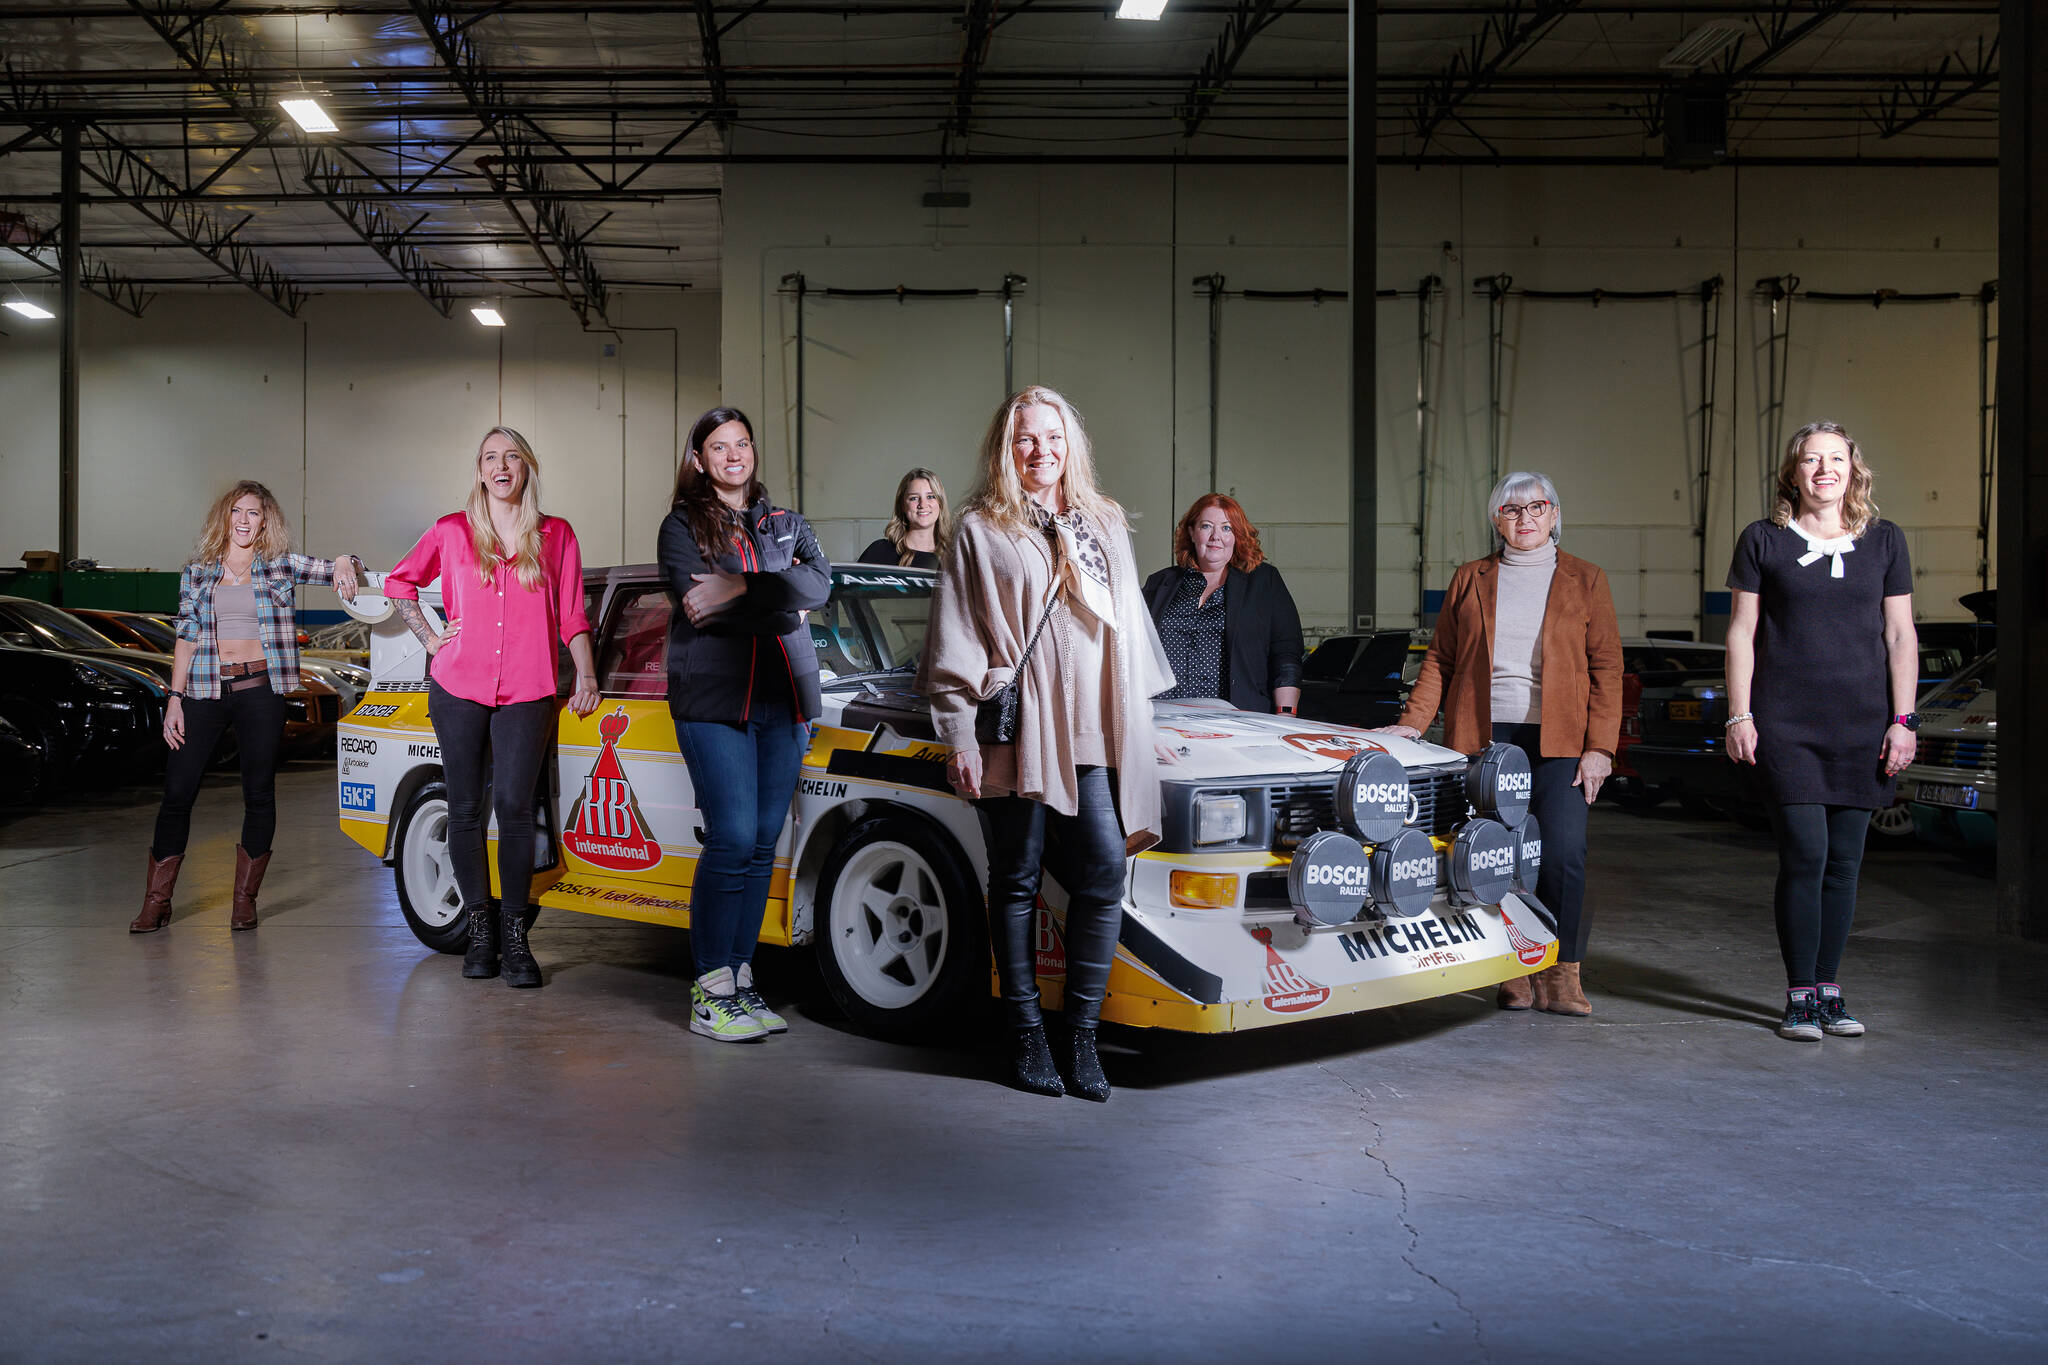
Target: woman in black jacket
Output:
[
  {"x": 742, "y": 682},
  {"x": 1225, "y": 615}
]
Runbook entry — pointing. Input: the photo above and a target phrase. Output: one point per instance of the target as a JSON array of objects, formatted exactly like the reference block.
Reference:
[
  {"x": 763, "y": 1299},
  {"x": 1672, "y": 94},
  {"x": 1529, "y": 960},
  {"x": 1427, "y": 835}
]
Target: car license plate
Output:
[
  {"x": 1942, "y": 794},
  {"x": 1683, "y": 710}
]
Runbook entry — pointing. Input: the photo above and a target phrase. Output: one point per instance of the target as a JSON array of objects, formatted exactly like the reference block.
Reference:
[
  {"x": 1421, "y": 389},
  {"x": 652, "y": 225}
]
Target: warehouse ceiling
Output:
[{"x": 577, "y": 149}]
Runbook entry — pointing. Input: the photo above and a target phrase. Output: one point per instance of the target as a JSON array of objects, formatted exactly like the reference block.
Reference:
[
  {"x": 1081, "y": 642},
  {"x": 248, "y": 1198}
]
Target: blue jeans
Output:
[{"x": 744, "y": 777}]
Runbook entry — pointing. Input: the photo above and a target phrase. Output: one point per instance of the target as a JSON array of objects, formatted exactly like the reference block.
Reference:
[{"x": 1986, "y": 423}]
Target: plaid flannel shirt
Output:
[{"x": 276, "y": 616}]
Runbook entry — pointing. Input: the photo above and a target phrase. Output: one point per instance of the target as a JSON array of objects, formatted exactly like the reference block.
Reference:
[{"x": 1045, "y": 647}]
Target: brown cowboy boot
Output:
[
  {"x": 1566, "y": 995},
  {"x": 248, "y": 880},
  {"x": 1516, "y": 994},
  {"x": 156, "y": 896}
]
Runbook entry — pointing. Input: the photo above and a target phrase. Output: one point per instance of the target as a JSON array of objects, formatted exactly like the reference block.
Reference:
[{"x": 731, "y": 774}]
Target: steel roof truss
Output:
[
  {"x": 1505, "y": 37},
  {"x": 1250, "y": 19},
  {"x": 95, "y": 276}
]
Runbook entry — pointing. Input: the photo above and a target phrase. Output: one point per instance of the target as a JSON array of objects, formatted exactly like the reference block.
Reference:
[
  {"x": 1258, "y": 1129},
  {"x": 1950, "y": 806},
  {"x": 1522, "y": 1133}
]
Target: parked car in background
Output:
[
  {"x": 1360, "y": 680},
  {"x": 93, "y": 718},
  {"x": 132, "y": 629},
  {"x": 1950, "y": 790},
  {"x": 22, "y": 764},
  {"x": 1661, "y": 662}
]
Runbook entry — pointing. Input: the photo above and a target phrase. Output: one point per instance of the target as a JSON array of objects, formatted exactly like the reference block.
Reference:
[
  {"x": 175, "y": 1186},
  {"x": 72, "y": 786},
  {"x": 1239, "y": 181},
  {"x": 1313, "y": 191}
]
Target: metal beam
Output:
[
  {"x": 708, "y": 34},
  {"x": 1251, "y": 18},
  {"x": 1506, "y": 36},
  {"x": 977, "y": 28},
  {"x": 1780, "y": 34},
  {"x": 1913, "y": 102},
  {"x": 515, "y": 134},
  {"x": 2023, "y": 471},
  {"x": 211, "y": 55},
  {"x": 67, "y": 365},
  {"x": 95, "y": 276},
  {"x": 1362, "y": 235}
]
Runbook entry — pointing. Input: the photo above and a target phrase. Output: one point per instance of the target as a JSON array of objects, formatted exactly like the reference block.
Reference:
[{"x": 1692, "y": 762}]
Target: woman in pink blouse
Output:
[{"x": 511, "y": 585}]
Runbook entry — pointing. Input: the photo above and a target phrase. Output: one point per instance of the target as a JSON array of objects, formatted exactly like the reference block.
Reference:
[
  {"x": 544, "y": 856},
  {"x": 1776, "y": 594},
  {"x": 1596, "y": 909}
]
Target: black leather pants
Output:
[{"x": 1087, "y": 858}]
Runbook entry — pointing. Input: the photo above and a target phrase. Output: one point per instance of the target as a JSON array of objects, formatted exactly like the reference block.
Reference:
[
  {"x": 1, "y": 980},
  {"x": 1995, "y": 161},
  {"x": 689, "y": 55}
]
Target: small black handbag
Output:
[{"x": 995, "y": 720}]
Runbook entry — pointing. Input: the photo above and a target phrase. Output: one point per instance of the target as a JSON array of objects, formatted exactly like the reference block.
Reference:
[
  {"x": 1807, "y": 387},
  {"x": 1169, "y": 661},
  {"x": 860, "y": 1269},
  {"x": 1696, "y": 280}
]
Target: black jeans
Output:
[
  {"x": 1088, "y": 860},
  {"x": 1560, "y": 809},
  {"x": 502, "y": 747},
  {"x": 1820, "y": 854},
  {"x": 257, "y": 714}
]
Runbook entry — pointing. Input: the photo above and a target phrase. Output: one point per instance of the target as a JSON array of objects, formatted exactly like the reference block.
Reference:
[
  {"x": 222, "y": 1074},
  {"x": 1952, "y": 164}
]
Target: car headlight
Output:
[
  {"x": 352, "y": 675},
  {"x": 97, "y": 677},
  {"x": 1219, "y": 818}
]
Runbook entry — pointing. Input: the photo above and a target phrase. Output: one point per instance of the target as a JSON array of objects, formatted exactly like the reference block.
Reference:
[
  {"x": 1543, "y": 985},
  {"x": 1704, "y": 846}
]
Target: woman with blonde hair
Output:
[
  {"x": 511, "y": 586},
  {"x": 921, "y": 529},
  {"x": 236, "y": 658},
  {"x": 1823, "y": 667},
  {"x": 1040, "y": 663}
]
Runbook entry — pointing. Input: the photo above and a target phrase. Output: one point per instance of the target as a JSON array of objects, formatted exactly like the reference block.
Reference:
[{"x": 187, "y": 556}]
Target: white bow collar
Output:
[{"x": 1816, "y": 547}]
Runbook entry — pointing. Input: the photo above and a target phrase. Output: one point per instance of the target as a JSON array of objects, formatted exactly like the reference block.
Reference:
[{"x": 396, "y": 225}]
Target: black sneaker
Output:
[
  {"x": 1834, "y": 1014},
  {"x": 1802, "y": 1022}
]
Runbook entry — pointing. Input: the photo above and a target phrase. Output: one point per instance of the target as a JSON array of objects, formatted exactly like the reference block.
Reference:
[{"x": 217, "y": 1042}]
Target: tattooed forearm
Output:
[{"x": 415, "y": 619}]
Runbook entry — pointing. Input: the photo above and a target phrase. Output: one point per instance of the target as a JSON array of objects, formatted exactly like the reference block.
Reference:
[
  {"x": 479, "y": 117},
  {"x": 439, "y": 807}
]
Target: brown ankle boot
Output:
[
  {"x": 156, "y": 895},
  {"x": 1539, "y": 987},
  {"x": 248, "y": 881},
  {"x": 1516, "y": 994},
  {"x": 1566, "y": 995}
]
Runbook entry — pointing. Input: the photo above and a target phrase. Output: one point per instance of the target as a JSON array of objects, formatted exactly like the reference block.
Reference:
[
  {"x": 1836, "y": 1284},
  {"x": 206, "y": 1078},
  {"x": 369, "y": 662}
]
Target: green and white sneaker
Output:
[
  {"x": 717, "y": 1012},
  {"x": 755, "y": 1004}
]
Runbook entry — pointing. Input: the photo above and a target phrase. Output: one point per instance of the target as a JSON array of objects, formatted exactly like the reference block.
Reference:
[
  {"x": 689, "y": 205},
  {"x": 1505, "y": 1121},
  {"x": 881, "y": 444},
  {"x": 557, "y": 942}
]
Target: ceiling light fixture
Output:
[
  {"x": 1141, "y": 9},
  {"x": 307, "y": 113},
  {"x": 1701, "y": 46},
  {"x": 487, "y": 315},
  {"x": 29, "y": 310}
]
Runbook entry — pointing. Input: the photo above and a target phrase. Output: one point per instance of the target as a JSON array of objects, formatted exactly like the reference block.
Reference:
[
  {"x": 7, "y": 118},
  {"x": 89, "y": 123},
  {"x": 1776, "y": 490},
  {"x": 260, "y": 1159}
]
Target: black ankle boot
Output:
[
  {"x": 1084, "y": 1068},
  {"x": 520, "y": 968},
  {"x": 480, "y": 963},
  {"x": 1031, "y": 1062}
]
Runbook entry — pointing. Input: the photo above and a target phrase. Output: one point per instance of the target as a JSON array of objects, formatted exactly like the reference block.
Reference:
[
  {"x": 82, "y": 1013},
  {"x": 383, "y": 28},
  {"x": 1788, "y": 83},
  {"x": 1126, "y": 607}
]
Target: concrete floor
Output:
[{"x": 318, "y": 1142}]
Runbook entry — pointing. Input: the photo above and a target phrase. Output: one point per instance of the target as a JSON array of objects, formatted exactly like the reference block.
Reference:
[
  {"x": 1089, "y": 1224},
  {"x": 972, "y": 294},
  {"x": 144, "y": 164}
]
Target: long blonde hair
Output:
[
  {"x": 1000, "y": 498},
  {"x": 272, "y": 542},
  {"x": 1859, "y": 509},
  {"x": 898, "y": 529},
  {"x": 525, "y": 557}
]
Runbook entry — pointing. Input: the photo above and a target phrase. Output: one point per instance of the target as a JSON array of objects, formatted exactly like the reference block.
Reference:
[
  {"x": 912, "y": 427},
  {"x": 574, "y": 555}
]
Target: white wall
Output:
[
  {"x": 1604, "y": 399},
  {"x": 362, "y": 415}
]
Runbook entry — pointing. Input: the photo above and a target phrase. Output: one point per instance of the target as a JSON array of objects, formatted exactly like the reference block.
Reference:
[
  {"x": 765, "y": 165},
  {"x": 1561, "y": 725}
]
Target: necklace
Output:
[{"x": 229, "y": 577}]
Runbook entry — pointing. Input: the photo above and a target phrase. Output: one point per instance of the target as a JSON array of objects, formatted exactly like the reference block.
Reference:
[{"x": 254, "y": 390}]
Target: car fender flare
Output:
[{"x": 960, "y": 827}]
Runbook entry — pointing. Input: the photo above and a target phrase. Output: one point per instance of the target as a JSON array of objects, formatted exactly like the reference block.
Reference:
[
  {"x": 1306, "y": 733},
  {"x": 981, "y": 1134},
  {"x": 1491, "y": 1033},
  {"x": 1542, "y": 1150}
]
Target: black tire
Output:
[
  {"x": 426, "y": 881},
  {"x": 895, "y": 972}
]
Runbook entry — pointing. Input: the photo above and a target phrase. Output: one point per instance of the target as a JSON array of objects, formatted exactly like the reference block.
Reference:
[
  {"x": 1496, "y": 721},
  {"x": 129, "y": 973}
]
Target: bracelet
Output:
[{"x": 1734, "y": 721}]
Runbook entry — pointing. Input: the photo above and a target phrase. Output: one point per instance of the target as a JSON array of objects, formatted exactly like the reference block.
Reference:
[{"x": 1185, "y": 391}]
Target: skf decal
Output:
[
  {"x": 1052, "y": 949},
  {"x": 1529, "y": 953},
  {"x": 358, "y": 796},
  {"x": 605, "y": 826},
  {"x": 1287, "y": 991},
  {"x": 1338, "y": 747}
]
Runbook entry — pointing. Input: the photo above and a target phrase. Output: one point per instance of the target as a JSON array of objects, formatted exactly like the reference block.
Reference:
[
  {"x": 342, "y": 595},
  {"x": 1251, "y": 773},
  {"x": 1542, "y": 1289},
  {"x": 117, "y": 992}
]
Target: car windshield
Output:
[
  {"x": 1331, "y": 659},
  {"x": 874, "y": 622},
  {"x": 164, "y": 637},
  {"x": 58, "y": 628},
  {"x": 1978, "y": 677}
]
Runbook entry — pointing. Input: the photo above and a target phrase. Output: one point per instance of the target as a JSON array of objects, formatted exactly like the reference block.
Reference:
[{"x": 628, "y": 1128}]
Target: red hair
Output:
[{"x": 1245, "y": 554}]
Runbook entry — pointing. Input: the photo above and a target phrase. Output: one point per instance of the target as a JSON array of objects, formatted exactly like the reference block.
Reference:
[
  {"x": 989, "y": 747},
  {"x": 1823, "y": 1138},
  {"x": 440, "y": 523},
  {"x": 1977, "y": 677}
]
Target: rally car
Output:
[
  {"x": 1951, "y": 786},
  {"x": 1307, "y": 870}
]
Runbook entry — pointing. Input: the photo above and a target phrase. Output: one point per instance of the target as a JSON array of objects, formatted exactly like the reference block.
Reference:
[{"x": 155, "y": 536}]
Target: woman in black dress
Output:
[
  {"x": 1224, "y": 614},
  {"x": 1823, "y": 661},
  {"x": 921, "y": 528}
]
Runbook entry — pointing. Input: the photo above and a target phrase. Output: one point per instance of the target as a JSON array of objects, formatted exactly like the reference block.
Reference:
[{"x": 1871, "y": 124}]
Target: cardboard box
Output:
[{"x": 40, "y": 561}]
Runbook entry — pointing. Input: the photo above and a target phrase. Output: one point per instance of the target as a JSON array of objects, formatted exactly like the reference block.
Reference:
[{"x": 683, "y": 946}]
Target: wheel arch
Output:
[
  {"x": 408, "y": 787},
  {"x": 961, "y": 832}
]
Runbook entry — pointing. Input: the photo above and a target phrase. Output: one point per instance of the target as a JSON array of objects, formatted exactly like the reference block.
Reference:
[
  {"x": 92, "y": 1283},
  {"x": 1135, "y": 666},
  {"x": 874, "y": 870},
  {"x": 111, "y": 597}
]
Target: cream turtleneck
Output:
[{"x": 1523, "y": 594}]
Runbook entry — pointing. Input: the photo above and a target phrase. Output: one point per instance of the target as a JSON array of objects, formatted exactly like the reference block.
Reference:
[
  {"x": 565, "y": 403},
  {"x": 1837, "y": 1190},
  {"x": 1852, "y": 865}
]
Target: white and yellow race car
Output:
[{"x": 1307, "y": 869}]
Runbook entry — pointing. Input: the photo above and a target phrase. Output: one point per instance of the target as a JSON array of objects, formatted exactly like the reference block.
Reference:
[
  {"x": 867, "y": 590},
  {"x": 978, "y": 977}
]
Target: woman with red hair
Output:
[{"x": 1225, "y": 615}]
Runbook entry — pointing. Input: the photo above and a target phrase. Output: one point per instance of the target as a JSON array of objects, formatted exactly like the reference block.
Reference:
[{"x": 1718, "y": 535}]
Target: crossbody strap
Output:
[{"x": 1044, "y": 615}]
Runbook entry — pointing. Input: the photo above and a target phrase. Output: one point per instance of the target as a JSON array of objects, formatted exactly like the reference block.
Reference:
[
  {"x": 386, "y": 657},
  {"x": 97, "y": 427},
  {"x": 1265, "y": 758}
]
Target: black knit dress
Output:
[{"x": 1822, "y": 688}]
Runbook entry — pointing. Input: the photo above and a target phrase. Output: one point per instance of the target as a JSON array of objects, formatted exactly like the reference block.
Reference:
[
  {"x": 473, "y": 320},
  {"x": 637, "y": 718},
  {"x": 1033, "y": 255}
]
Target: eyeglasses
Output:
[{"x": 1514, "y": 511}]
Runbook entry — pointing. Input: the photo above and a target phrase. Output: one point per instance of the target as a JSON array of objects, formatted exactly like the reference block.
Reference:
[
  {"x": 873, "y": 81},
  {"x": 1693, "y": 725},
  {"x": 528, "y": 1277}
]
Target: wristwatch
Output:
[{"x": 1911, "y": 720}]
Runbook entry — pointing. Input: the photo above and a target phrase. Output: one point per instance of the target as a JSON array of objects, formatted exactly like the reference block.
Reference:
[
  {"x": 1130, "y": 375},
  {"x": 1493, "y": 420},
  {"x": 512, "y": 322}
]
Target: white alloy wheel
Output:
[
  {"x": 1893, "y": 822},
  {"x": 888, "y": 925},
  {"x": 428, "y": 870}
]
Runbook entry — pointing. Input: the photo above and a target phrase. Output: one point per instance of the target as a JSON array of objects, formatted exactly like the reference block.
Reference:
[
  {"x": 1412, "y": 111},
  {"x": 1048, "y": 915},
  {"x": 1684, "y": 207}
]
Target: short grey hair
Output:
[{"x": 1522, "y": 486}]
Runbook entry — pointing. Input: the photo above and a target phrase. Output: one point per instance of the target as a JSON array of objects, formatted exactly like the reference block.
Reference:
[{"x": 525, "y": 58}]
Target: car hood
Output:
[{"x": 1966, "y": 713}]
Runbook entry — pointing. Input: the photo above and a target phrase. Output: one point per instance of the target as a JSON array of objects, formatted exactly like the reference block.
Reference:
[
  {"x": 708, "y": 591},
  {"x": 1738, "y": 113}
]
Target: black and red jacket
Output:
[{"x": 717, "y": 671}]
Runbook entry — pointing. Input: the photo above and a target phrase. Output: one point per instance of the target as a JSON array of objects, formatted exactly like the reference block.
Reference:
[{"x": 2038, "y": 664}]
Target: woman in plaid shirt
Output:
[{"x": 237, "y": 657}]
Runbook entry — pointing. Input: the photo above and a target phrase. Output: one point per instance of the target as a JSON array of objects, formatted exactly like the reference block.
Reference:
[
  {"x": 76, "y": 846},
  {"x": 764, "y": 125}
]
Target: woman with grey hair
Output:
[{"x": 1527, "y": 652}]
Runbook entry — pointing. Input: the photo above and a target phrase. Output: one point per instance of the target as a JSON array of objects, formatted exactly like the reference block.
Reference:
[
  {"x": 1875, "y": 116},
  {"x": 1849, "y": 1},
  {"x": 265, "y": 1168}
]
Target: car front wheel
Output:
[{"x": 902, "y": 943}]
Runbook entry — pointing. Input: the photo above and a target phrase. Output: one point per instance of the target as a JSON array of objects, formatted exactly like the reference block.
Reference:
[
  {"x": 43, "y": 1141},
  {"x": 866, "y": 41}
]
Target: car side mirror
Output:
[{"x": 18, "y": 637}]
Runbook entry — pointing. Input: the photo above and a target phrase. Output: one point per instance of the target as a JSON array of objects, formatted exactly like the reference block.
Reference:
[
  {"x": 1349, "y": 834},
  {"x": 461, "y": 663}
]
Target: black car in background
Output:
[
  {"x": 90, "y": 718},
  {"x": 1360, "y": 679},
  {"x": 21, "y": 766}
]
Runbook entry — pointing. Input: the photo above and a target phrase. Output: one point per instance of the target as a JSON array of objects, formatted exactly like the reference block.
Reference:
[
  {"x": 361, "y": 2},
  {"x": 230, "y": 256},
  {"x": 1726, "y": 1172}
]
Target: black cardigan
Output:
[
  {"x": 1261, "y": 631},
  {"x": 713, "y": 671}
]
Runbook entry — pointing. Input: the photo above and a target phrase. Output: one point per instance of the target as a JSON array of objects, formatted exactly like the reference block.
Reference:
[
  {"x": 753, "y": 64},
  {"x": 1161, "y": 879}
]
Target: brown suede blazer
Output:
[{"x": 1581, "y": 661}]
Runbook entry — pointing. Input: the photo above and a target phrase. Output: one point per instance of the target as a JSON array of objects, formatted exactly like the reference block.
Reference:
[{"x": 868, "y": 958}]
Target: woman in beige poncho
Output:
[{"x": 1040, "y": 544}]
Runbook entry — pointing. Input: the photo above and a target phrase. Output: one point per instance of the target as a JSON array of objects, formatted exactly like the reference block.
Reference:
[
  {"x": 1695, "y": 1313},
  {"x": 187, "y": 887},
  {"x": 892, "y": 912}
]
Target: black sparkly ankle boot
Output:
[
  {"x": 1084, "y": 1068},
  {"x": 480, "y": 963},
  {"x": 520, "y": 968},
  {"x": 1031, "y": 1062}
]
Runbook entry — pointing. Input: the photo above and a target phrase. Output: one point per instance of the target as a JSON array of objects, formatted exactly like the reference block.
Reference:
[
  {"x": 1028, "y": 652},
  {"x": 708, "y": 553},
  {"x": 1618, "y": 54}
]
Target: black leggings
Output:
[
  {"x": 257, "y": 714},
  {"x": 500, "y": 747},
  {"x": 1089, "y": 863},
  {"x": 1820, "y": 851}
]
